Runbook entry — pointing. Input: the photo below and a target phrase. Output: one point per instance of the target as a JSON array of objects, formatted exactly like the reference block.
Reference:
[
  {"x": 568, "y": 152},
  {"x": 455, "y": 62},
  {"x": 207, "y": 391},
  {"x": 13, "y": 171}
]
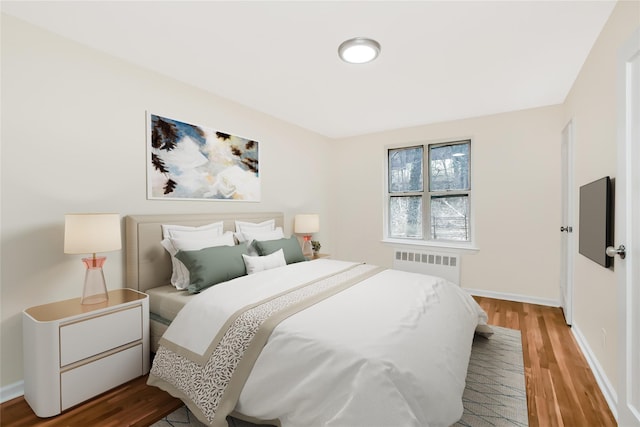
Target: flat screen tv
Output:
[{"x": 596, "y": 220}]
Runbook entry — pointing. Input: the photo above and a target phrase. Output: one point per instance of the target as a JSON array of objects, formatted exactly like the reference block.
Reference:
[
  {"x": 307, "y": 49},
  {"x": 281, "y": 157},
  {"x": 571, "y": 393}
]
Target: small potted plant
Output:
[{"x": 315, "y": 245}]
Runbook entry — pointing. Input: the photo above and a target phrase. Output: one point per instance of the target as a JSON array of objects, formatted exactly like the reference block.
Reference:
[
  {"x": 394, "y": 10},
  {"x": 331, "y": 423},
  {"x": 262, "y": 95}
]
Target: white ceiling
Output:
[{"x": 440, "y": 60}]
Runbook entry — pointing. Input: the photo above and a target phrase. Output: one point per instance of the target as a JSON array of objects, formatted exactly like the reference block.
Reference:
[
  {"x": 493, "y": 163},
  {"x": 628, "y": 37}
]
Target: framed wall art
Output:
[{"x": 192, "y": 162}]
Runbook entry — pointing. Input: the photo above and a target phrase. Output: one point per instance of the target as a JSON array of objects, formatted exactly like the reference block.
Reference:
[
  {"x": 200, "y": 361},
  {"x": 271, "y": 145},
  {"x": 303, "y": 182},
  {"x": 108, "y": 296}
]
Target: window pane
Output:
[
  {"x": 450, "y": 218},
  {"x": 405, "y": 215},
  {"x": 449, "y": 167},
  {"x": 405, "y": 169}
]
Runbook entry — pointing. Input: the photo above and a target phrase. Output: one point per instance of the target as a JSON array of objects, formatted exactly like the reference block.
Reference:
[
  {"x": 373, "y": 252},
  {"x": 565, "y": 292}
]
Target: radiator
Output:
[{"x": 445, "y": 265}]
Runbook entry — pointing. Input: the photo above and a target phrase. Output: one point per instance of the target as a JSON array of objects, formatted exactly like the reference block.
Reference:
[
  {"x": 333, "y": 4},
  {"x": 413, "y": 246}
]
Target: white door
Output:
[
  {"x": 627, "y": 232},
  {"x": 566, "y": 228}
]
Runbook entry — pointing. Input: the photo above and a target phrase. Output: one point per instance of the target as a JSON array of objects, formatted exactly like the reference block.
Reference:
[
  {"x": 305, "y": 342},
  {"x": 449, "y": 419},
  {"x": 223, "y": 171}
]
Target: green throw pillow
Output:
[
  {"x": 290, "y": 247},
  {"x": 210, "y": 266}
]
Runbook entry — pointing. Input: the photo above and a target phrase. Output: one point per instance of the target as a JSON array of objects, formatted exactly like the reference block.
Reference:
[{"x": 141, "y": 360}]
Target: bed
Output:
[{"x": 315, "y": 343}]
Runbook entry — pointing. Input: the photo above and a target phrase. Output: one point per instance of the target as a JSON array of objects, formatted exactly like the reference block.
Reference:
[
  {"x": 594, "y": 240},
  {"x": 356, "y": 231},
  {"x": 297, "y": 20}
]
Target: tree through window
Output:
[{"x": 438, "y": 210}]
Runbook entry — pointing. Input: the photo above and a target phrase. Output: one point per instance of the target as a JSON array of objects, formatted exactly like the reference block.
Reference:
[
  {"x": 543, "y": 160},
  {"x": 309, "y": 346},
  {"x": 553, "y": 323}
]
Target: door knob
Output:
[
  {"x": 621, "y": 250},
  {"x": 568, "y": 229}
]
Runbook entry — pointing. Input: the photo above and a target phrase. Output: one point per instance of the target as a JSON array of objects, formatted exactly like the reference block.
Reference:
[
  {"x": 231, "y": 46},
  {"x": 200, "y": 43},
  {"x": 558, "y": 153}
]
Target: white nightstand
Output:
[{"x": 73, "y": 352}]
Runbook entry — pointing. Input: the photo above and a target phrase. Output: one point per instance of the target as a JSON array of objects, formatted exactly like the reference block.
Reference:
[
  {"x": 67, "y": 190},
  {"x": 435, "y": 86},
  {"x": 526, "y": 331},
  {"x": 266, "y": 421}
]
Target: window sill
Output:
[{"x": 467, "y": 248}]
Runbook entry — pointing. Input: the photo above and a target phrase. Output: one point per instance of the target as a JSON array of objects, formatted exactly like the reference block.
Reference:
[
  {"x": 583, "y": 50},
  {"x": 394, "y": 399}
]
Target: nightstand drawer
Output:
[
  {"x": 86, "y": 381},
  {"x": 93, "y": 336}
]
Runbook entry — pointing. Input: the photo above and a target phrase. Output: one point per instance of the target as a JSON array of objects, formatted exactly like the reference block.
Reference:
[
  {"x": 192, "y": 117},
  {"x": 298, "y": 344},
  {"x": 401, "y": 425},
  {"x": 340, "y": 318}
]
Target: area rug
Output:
[{"x": 495, "y": 393}]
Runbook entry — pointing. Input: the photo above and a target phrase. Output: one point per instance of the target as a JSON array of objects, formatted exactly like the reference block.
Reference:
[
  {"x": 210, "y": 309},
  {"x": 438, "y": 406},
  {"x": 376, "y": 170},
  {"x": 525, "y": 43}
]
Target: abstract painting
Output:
[{"x": 191, "y": 162}]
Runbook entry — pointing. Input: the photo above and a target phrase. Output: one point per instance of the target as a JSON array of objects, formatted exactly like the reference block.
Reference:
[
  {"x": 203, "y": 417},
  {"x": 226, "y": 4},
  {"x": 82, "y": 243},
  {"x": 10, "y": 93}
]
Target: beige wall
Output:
[
  {"x": 591, "y": 104},
  {"x": 73, "y": 140},
  {"x": 516, "y": 195}
]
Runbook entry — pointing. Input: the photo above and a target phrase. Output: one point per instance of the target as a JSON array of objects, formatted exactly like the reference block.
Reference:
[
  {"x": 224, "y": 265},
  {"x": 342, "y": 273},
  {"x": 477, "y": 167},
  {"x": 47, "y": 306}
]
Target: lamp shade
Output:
[
  {"x": 87, "y": 233},
  {"x": 307, "y": 223}
]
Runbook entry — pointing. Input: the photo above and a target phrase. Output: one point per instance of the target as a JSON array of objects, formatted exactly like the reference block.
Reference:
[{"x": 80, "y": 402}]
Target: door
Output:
[
  {"x": 627, "y": 232},
  {"x": 567, "y": 239}
]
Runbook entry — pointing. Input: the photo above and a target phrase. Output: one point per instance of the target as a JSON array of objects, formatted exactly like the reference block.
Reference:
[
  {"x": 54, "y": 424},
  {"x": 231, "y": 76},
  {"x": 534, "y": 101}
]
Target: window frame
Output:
[{"x": 426, "y": 194}]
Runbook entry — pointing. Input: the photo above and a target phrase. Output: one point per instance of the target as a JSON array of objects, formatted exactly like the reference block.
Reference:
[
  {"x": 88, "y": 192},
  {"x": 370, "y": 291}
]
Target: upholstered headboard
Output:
[{"x": 148, "y": 264}]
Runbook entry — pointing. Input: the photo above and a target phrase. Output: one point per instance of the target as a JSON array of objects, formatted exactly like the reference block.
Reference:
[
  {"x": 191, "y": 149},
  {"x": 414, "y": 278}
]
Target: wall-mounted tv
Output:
[{"x": 596, "y": 220}]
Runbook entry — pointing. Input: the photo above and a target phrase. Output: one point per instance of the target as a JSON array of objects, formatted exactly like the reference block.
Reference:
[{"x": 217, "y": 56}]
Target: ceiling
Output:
[{"x": 440, "y": 60}]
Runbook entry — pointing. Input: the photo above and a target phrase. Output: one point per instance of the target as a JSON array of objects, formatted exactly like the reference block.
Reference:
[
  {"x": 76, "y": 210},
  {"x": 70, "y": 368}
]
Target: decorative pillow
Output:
[
  {"x": 180, "y": 273},
  {"x": 255, "y": 264},
  {"x": 290, "y": 247},
  {"x": 186, "y": 232},
  {"x": 210, "y": 266},
  {"x": 248, "y": 237},
  {"x": 252, "y": 227}
]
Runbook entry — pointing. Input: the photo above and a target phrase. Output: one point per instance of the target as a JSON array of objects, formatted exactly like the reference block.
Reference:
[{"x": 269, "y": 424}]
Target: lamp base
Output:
[
  {"x": 307, "y": 249},
  {"x": 95, "y": 288}
]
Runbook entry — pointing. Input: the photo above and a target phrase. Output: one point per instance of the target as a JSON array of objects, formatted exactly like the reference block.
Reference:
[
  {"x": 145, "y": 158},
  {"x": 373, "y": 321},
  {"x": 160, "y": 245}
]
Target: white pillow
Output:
[
  {"x": 255, "y": 264},
  {"x": 214, "y": 229},
  {"x": 249, "y": 237},
  {"x": 180, "y": 274},
  {"x": 253, "y": 227}
]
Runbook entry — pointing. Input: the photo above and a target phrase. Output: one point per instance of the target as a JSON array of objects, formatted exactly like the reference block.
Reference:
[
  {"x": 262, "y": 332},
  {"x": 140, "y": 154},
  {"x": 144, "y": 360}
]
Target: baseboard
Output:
[
  {"x": 11, "y": 391},
  {"x": 607, "y": 389},
  {"x": 513, "y": 297}
]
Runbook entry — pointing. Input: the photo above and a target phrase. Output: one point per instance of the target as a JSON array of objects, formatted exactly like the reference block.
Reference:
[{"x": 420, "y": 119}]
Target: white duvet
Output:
[{"x": 390, "y": 351}]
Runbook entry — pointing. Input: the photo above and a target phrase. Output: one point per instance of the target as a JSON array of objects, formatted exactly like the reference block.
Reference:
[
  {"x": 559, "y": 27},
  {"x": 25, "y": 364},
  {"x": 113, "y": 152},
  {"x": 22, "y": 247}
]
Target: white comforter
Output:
[{"x": 390, "y": 351}]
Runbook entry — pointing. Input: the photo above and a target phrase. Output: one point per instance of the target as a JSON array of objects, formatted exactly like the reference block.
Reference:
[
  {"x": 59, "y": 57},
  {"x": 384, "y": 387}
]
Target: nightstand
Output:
[
  {"x": 318, "y": 256},
  {"x": 73, "y": 352}
]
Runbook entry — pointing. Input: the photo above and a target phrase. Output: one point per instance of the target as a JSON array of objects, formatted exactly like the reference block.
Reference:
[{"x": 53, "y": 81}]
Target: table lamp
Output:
[
  {"x": 307, "y": 224},
  {"x": 88, "y": 233}
]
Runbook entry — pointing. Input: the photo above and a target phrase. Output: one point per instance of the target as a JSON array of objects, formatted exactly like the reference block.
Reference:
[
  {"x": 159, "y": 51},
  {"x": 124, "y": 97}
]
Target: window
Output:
[{"x": 429, "y": 192}]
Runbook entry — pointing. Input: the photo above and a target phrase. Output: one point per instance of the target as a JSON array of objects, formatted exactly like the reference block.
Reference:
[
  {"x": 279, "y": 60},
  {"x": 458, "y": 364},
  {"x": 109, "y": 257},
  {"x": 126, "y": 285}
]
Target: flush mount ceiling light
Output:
[{"x": 359, "y": 50}]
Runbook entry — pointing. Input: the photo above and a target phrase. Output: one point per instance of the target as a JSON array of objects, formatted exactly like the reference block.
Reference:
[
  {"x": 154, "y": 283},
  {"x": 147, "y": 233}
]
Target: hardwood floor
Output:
[
  {"x": 132, "y": 404},
  {"x": 561, "y": 389}
]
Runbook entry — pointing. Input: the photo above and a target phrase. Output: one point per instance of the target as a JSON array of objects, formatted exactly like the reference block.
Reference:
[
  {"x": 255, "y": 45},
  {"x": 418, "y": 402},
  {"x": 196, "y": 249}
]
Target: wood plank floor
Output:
[
  {"x": 561, "y": 389},
  {"x": 132, "y": 404}
]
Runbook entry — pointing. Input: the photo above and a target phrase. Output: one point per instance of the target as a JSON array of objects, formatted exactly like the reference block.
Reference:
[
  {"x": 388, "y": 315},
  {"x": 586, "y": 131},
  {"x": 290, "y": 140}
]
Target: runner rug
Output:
[{"x": 495, "y": 393}]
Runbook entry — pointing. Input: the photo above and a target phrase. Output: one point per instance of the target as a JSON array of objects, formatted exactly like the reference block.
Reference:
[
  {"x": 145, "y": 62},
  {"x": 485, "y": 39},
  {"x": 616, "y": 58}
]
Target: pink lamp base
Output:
[
  {"x": 307, "y": 250},
  {"x": 95, "y": 288}
]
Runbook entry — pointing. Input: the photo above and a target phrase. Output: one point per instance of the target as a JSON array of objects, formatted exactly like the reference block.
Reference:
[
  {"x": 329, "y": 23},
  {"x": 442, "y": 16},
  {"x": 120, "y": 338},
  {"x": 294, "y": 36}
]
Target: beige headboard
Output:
[{"x": 147, "y": 263}]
